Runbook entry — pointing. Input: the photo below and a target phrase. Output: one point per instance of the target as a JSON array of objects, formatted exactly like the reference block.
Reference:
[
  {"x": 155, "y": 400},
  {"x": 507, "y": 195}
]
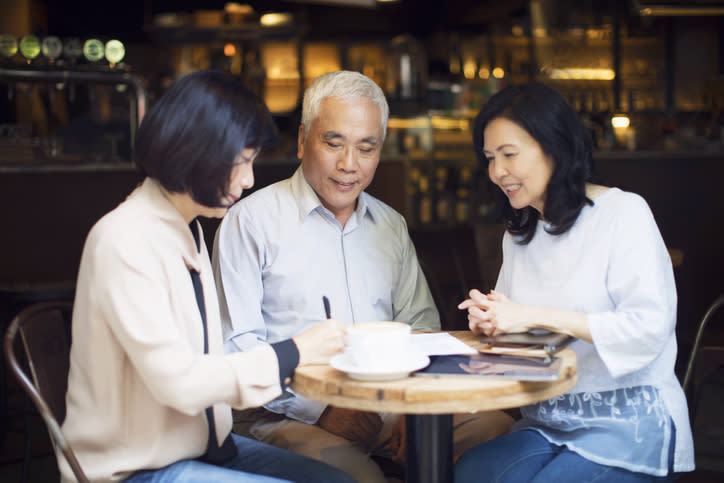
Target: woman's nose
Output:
[
  {"x": 247, "y": 181},
  {"x": 247, "y": 178},
  {"x": 495, "y": 170}
]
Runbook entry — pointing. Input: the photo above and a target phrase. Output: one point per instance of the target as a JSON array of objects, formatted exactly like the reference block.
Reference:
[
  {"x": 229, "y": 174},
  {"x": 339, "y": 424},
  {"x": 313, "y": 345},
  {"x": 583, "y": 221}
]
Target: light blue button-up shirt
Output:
[{"x": 278, "y": 251}]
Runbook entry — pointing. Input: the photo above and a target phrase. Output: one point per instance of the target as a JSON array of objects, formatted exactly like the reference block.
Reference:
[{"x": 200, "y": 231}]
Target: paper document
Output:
[{"x": 440, "y": 344}]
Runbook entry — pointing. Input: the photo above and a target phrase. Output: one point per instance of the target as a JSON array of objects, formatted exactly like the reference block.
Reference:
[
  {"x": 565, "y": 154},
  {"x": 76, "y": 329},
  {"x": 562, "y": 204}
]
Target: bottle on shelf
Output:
[
  {"x": 424, "y": 204},
  {"x": 443, "y": 197},
  {"x": 463, "y": 195}
]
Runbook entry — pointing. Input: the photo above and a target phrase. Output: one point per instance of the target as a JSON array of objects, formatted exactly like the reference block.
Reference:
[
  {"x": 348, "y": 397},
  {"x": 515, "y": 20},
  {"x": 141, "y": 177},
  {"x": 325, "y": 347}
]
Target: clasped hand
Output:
[{"x": 494, "y": 314}]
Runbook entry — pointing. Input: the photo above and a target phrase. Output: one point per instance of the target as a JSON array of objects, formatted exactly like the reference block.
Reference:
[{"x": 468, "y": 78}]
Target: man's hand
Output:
[
  {"x": 350, "y": 424},
  {"x": 398, "y": 441}
]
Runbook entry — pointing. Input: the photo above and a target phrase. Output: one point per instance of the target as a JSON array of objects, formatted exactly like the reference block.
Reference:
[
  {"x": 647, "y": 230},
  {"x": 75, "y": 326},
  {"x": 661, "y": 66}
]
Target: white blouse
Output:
[{"x": 612, "y": 265}]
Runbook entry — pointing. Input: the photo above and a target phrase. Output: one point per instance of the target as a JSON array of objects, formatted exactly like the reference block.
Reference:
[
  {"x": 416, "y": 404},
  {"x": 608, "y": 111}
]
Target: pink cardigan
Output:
[{"x": 139, "y": 381}]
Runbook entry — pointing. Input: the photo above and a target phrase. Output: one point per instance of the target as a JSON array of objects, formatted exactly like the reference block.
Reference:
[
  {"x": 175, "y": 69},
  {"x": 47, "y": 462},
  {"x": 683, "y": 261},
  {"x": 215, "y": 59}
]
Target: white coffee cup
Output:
[{"x": 378, "y": 345}]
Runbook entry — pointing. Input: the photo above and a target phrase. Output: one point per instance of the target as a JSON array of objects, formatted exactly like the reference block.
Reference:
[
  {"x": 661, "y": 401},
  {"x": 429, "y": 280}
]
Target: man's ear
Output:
[{"x": 300, "y": 142}]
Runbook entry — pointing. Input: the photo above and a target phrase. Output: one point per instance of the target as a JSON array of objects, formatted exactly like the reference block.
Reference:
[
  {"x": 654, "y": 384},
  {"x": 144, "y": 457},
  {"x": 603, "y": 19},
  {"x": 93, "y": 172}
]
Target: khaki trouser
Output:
[{"x": 354, "y": 457}]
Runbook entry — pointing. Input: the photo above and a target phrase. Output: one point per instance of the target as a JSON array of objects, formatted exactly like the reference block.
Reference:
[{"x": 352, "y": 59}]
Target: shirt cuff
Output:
[{"x": 288, "y": 357}]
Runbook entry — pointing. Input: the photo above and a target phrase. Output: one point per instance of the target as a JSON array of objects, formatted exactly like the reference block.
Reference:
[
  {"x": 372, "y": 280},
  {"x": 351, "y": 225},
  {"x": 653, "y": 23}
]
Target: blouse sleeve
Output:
[{"x": 640, "y": 283}]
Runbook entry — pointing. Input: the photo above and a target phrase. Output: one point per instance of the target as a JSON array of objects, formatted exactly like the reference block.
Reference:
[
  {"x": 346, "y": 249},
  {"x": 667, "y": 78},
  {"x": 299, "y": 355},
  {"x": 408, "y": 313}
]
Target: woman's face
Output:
[
  {"x": 517, "y": 164},
  {"x": 242, "y": 177}
]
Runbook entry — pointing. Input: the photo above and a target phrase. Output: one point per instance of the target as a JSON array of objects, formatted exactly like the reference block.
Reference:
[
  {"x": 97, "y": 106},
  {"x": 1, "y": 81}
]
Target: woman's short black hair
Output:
[
  {"x": 551, "y": 121},
  {"x": 192, "y": 135}
]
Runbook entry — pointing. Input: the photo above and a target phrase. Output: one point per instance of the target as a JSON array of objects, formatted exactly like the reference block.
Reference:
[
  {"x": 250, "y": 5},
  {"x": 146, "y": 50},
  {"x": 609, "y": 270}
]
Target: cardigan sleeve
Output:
[{"x": 142, "y": 291}]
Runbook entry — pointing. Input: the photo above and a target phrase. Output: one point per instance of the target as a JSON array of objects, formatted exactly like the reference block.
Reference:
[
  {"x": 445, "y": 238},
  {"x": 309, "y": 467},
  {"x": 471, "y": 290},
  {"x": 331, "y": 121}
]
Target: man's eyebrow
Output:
[
  {"x": 331, "y": 135},
  {"x": 369, "y": 140},
  {"x": 336, "y": 135}
]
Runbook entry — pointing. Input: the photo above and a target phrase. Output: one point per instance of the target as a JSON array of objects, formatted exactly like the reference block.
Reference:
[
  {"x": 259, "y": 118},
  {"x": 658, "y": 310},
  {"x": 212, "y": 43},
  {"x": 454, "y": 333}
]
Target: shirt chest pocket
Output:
[{"x": 375, "y": 284}]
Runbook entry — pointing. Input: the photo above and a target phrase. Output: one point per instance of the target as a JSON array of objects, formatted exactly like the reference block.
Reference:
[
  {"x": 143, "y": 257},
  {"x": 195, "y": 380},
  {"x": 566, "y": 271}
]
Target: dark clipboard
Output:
[
  {"x": 537, "y": 344},
  {"x": 550, "y": 341},
  {"x": 486, "y": 365}
]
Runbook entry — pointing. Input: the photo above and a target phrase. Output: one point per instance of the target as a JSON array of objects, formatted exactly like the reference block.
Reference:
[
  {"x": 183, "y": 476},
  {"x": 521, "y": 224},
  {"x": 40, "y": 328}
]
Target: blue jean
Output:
[
  {"x": 526, "y": 456},
  {"x": 255, "y": 462}
]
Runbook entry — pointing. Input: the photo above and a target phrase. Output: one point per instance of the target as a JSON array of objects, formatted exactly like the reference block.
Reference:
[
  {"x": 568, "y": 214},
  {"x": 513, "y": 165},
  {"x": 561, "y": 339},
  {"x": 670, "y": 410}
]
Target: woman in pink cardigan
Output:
[{"x": 150, "y": 389}]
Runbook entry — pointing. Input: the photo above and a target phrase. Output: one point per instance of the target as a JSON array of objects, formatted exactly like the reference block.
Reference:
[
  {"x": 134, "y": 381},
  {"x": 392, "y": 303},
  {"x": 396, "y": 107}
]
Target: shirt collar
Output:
[{"x": 308, "y": 201}]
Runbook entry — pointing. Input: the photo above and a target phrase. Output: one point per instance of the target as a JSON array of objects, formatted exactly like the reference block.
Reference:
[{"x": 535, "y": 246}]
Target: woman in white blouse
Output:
[
  {"x": 150, "y": 389},
  {"x": 588, "y": 261}
]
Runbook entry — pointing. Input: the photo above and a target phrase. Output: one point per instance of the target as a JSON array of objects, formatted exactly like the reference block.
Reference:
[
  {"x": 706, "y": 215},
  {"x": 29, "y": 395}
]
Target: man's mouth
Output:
[{"x": 344, "y": 184}]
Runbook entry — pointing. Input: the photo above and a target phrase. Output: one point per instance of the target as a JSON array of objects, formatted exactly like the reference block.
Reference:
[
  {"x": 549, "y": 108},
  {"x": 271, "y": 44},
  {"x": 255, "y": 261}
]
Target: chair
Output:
[
  {"x": 488, "y": 243},
  {"x": 703, "y": 384},
  {"x": 713, "y": 308},
  {"x": 45, "y": 341}
]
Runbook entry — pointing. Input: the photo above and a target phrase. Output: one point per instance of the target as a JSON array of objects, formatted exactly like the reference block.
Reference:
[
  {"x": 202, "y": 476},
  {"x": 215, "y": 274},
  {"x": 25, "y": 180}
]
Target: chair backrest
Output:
[
  {"x": 711, "y": 310},
  {"x": 45, "y": 341},
  {"x": 488, "y": 243}
]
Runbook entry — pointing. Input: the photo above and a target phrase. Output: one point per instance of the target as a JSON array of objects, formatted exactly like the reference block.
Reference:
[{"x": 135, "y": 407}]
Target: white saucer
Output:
[{"x": 413, "y": 362}]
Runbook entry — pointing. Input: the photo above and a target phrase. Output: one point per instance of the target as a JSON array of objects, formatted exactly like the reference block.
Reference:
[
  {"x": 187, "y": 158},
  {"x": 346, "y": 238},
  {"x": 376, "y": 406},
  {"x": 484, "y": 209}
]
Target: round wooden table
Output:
[{"x": 429, "y": 403}]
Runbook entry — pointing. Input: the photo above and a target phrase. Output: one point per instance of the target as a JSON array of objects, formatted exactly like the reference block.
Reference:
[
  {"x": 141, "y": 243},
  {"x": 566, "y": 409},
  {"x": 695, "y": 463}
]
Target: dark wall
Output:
[
  {"x": 685, "y": 195},
  {"x": 47, "y": 214}
]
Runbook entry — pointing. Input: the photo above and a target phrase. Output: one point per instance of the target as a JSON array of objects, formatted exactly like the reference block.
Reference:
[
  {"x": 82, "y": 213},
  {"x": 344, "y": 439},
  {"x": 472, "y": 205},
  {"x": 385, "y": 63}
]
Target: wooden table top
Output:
[{"x": 430, "y": 394}]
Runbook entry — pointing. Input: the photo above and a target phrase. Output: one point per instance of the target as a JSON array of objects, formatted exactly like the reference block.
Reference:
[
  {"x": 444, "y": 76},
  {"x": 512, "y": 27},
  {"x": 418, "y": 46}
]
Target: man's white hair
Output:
[{"x": 347, "y": 86}]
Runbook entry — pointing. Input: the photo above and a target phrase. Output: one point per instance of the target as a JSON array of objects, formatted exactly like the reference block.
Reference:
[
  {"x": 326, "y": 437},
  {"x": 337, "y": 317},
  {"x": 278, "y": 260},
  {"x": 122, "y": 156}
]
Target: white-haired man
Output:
[{"x": 283, "y": 248}]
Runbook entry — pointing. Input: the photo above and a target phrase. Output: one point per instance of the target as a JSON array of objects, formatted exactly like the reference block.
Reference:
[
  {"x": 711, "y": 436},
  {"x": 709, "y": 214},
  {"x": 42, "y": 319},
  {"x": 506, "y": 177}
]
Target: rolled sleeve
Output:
[{"x": 237, "y": 259}]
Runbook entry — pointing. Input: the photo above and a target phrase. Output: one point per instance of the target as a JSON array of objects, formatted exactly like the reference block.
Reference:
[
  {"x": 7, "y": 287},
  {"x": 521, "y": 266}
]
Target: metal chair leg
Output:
[{"x": 28, "y": 442}]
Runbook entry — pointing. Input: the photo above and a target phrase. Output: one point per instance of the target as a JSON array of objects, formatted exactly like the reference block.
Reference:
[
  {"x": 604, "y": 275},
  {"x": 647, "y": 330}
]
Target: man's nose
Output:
[{"x": 347, "y": 160}]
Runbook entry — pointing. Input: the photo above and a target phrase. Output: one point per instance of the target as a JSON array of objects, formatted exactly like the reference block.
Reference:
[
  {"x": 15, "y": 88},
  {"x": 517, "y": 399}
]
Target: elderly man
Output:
[{"x": 283, "y": 248}]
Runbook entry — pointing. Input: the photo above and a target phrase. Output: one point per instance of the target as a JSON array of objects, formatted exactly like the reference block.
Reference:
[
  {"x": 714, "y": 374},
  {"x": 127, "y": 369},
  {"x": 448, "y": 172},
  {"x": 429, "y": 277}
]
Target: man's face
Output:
[{"x": 341, "y": 152}]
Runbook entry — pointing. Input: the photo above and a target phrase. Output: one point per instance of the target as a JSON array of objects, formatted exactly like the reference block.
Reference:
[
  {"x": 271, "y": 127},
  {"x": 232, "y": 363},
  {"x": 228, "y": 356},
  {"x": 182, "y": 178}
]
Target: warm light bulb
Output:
[
  {"x": 276, "y": 19},
  {"x": 620, "y": 121}
]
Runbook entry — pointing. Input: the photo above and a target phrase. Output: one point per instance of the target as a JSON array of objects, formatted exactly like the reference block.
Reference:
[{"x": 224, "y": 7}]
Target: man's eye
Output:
[
  {"x": 367, "y": 150},
  {"x": 333, "y": 145}
]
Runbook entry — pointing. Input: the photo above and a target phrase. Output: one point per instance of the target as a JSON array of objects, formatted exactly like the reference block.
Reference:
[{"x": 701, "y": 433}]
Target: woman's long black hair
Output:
[{"x": 546, "y": 116}]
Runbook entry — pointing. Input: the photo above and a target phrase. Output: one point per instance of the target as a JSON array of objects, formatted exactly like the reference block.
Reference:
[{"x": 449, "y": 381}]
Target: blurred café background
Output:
[{"x": 646, "y": 77}]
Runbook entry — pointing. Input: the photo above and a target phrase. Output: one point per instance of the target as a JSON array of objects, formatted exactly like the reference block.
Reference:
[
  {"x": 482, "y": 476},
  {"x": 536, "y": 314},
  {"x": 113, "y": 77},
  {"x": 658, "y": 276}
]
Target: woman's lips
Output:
[{"x": 511, "y": 189}]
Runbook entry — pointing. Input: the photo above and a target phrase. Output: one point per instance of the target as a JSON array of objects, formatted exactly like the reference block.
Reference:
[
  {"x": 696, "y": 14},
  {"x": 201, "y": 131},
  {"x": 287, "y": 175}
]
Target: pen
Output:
[{"x": 327, "y": 311}]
